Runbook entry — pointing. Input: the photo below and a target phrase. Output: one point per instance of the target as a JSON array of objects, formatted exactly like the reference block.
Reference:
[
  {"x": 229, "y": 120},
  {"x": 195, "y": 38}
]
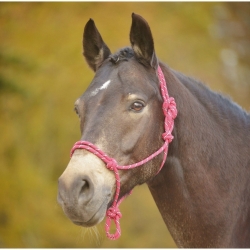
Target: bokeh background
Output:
[{"x": 42, "y": 73}]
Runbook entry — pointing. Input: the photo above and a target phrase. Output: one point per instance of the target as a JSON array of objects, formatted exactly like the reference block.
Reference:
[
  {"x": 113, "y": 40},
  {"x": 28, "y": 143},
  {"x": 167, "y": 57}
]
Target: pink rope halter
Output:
[{"x": 170, "y": 112}]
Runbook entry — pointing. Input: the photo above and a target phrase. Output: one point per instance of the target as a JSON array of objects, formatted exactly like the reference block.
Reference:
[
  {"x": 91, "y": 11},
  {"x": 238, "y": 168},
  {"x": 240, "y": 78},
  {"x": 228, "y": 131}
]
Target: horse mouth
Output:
[{"x": 95, "y": 219}]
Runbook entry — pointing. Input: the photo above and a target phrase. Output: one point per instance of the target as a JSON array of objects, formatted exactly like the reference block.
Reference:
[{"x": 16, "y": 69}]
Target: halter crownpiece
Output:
[{"x": 170, "y": 113}]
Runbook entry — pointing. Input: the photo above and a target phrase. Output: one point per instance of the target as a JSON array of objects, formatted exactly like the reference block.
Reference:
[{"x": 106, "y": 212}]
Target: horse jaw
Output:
[{"x": 86, "y": 187}]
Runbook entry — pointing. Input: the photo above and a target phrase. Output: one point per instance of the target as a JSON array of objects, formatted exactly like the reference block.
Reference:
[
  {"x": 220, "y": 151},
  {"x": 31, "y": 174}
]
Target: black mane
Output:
[{"x": 122, "y": 55}]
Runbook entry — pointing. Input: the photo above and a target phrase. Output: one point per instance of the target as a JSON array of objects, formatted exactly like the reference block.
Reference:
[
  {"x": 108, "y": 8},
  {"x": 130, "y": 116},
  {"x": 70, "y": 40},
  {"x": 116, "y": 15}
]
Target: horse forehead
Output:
[
  {"x": 125, "y": 78},
  {"x": 122, "y": 72},
  {"x": 132, "y": 71},
  {"x": 101, "y": 82},
  {"x": 102, "y": 87}
]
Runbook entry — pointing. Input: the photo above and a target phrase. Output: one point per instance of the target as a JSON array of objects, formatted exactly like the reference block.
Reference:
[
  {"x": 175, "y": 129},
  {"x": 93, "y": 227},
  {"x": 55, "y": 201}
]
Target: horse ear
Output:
[
  {"x": 95, "y": 50},
  {"x": 142, "y": 42}
]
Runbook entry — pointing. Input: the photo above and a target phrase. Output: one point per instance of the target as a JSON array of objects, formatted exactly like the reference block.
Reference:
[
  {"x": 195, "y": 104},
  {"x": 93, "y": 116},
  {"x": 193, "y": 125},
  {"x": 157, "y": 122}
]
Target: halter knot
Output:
[
  {"x": 172, "y": 111},
  {"x": 167, "y": 137},
  {"x": 114, "y": 213},
  {"x": 111, "y": 164},
  {"x": 165, "y": 106}
]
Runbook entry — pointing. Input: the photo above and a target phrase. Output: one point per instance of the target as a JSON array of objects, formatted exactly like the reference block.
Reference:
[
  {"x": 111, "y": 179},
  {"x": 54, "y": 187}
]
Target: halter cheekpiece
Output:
[{"x": 170, "y": 112}]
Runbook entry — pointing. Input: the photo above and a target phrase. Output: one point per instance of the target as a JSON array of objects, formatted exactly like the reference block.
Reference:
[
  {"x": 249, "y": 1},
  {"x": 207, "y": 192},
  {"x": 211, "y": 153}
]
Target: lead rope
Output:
[{"x": 170, "y": 113}]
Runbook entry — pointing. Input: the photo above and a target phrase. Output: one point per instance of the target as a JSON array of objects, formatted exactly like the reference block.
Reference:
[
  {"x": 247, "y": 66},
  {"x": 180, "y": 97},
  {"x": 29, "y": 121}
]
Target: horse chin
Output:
[{"x": 95, "y": 219}]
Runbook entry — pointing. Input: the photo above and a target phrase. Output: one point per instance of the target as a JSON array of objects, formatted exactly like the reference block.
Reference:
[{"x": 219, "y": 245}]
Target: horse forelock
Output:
[{"x": 121, "y": 55}]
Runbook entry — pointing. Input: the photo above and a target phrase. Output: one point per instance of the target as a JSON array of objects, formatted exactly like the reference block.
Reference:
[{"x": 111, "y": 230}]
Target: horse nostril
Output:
[
  {"x": 78, "y": 190},
  {"x": 86, "y": 191},
  {"x": 85, "y": 187}
]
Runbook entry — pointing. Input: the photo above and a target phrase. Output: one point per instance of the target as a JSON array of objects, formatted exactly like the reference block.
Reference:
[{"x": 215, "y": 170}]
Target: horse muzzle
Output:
[{"x": 85, "y": 189}]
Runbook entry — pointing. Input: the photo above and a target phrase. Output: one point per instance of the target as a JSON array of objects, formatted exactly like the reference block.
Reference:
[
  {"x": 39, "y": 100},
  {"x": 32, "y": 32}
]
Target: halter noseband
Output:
[{"x": 170, "y": 112}]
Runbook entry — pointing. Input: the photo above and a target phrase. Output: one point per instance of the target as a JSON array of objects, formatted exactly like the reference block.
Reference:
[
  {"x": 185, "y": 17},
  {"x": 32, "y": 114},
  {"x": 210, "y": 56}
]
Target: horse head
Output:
[{"x": 120, "y": 113}]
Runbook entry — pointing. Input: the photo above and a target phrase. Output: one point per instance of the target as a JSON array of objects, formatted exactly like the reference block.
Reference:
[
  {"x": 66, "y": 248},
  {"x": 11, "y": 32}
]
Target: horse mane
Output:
[
  {"x": 224, "y": 104},
  {"x": 122, "y": 55}
]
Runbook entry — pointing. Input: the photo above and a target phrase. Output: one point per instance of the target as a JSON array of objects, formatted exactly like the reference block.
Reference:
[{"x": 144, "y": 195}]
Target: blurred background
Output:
[{"x": 42, "y": 73}]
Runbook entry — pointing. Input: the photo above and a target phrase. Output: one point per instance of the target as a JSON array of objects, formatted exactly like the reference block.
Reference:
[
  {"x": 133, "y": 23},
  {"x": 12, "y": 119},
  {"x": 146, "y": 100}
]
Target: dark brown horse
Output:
[{"x": 203, "y": 190}]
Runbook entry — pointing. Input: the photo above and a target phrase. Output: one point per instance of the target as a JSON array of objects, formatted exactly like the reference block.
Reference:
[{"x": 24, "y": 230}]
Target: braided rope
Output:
[{"x": 170, "y": 113}]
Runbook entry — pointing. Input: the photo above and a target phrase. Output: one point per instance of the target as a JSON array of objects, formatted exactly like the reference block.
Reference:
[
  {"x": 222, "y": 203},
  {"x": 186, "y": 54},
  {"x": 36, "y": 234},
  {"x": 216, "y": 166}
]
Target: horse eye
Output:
[{"x": 137, "y": 106}]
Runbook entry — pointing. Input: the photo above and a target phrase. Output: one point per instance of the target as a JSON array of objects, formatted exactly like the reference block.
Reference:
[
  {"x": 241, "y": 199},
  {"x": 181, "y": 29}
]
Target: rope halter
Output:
[{"x": 170, "y": 113}]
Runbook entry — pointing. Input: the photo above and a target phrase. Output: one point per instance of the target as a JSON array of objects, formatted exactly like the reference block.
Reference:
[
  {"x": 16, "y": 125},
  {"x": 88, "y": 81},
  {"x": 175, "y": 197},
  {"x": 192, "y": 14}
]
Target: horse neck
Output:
[{"x": 201, "y": 191}]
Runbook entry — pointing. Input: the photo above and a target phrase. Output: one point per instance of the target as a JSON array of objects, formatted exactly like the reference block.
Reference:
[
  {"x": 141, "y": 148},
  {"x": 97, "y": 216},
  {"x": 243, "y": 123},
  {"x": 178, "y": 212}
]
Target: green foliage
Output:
[{"x": 42, "y": 73}]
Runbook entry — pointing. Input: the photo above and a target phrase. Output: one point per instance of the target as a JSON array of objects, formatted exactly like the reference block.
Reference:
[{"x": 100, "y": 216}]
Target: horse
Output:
[{"x": 203, "y": 188}]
